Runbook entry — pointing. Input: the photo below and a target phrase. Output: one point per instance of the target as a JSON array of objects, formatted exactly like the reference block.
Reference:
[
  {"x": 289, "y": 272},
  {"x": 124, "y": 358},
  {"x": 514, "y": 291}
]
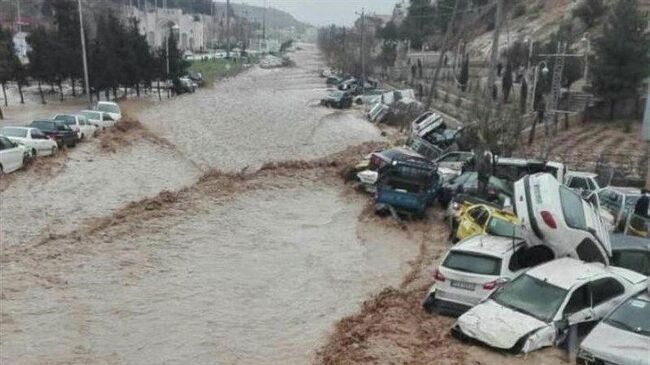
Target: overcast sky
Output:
[{"x": 324, "y": 12}]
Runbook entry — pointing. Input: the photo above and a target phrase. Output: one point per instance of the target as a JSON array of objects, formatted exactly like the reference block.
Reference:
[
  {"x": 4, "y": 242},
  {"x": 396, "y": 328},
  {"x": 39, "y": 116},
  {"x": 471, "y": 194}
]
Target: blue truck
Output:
[{"x": 407, "y": 186}]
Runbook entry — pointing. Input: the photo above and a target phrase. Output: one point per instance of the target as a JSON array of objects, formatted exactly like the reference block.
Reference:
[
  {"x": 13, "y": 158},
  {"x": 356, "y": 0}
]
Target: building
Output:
[
  {"x": 155, "y": 24},
  {"x": 21, "y": 46}
]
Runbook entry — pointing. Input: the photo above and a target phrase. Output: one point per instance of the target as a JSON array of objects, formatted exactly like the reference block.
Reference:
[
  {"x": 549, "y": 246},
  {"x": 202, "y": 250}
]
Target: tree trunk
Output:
[
  {"x": 20, "y": 92},
  {"x": 74, "y": 91},
  {"x": 1, "y": 115},
  {"x": 40, "y": 91},
  {"x": 60, "y": 90},
  {"x": 159, "y": 96},
  {"x": 52, "y": 87},
  {"x": 566, "y": 121},
  {"x": 4, "y": 92},
  {"x": 137, "y": 89},
  {"x": 125, "y": 91},
  {"x": 107, "y": 94},
  {"x": 612, "y": 108},
  {"x": 114, "y": 93},
  {"x": 531, "y": 136},
  {"x": 99, "y": 93}
]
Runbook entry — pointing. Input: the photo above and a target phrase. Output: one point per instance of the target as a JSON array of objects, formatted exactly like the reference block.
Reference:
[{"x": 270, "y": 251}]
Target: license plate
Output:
[{"x": 463, "y": 285}]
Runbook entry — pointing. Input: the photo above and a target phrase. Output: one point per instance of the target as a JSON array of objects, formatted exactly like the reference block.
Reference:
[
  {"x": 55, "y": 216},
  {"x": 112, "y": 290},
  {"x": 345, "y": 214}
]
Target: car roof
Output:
[
  {"x": 45, "y": 120},
  {"x": 582, "y": 174},
  {"x": 625, "y": 190},
  {"x": 106, "y": 102},
  {"x": 567, "y": 272},
  {"x": 622, "y": 241},
  {"x": 12, "y": 127},
  {"x": 487, "y": 245}
]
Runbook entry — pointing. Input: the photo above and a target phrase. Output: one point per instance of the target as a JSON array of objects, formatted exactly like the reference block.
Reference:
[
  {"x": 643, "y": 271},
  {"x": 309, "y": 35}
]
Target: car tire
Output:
[
  {"x": 33, "y": 152},
  {"x": 429, "y": 304}
]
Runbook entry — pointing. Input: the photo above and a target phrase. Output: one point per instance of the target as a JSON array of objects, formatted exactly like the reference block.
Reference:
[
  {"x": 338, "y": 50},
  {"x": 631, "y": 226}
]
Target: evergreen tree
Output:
[
  {"x": 622, "y": 54},
  {"x": 41, "y": 67},
  {"x": 418, "y": 23},
  {"x": 8, "y": 60},
  {"x": 523, "y": 96}
]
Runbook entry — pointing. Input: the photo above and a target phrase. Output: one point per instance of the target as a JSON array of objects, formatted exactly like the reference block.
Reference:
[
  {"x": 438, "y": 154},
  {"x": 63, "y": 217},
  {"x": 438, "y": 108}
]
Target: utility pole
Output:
[
  {"x": 18, "y": 17},
  {"x": 228, "y": 29},
  {"x": 264, "y": 26},
  {"x": 443, "y": 50},
  {"x": 83, "y": 55},
  {"x": 556, "y": 85},
  {"x": 646, "y": 134},
  {"x": 492, "y": 74},
  {"x": 362, "y": 53}
]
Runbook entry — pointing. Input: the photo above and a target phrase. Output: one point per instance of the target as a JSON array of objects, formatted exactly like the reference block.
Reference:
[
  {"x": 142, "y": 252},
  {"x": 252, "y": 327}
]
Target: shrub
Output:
[
  {"x": 589, "y": 11},
  {"x": 519, "y": 10}
]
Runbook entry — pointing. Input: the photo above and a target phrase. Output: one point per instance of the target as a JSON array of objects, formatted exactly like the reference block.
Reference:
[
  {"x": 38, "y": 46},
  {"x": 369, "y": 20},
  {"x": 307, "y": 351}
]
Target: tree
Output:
[
  {"x": 506, "y": 82},
  {"x": 622, "y": 55},
  {"x": 67, "y": 55},
  {"x": 9, "y": 62},
  {"x": 523, "y": 96},
  {"x": 40, "y": 65},
  {"x": 464, "y": 74},
  {"x": 418, "y": 23}
]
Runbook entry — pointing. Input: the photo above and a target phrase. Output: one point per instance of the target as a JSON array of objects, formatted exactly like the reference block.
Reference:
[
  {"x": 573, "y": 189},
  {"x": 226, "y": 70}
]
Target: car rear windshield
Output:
[
  {"x": 14, "y": 132},
  {"x": 573, "y": 208},
  {"x": 503, "y": 228},
  {"x": 473, "y": 263},
  {"x": 67, "y": 119},
  {"x": 531, "y": 296},
  {"x": 44, "y": 126},
  {"x": 109, "y": 108},
  {"x": 633, "y": 316}
]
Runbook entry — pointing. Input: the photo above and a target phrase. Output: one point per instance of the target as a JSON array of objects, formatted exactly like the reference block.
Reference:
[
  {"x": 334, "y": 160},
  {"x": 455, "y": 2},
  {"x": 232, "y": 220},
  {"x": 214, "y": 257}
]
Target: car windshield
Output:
[
  {"x": 531, "y": 296},
  {"x": 473, "y": 263},
  {"x": 109, "y": 108},
  {"x": 573, "y": 208},
  {"x": 500, "y": 227},
  {"x": 92, "y": 115},
  {"x": 633, "y": 315},
  {"x": 67, "y": 119},
  {"x": 14, "y": 132}
]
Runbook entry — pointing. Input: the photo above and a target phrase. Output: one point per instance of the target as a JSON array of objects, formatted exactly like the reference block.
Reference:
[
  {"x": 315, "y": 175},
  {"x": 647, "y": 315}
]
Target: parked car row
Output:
[
  {"x": 543, "y": 256},
  {"x": 44, "y": 137}
]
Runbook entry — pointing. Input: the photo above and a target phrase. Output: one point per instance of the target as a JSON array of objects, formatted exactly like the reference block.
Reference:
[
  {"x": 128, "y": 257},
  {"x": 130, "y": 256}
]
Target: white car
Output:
[
  {"x": 78, "y": 123},
  {"x": 542, "y": 306},
  {"x": 583, "y": 183},
  {"x": 616, "y": 203},
  {"x": 110, "y": 108},
  {"x": 622, "y": 337},
  {"x": 475, "y": 267},
  {"x": 12, "y": 156},
  {"x": 99, "y": 119},
  {"x": 551, "y": 214},
  {"x": 36, "y": 142}
]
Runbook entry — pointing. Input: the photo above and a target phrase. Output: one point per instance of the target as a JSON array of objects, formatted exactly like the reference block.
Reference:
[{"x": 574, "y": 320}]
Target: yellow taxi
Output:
[{"x": 484, "y": 219}]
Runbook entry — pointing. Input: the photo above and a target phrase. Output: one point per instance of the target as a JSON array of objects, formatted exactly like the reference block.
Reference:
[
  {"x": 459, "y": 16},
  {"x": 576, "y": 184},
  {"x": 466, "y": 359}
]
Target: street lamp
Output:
[{"x": 545, "y": 72}]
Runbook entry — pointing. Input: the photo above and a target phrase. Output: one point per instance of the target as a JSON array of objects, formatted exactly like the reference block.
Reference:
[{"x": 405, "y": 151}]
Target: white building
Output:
[
  {"x": 21, "y": 46},
  {"x": 156, "y": 24}
]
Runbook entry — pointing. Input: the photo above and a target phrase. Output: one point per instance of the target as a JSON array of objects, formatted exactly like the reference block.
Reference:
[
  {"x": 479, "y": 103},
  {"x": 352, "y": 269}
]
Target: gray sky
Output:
[{"x": 324, "y": 12}]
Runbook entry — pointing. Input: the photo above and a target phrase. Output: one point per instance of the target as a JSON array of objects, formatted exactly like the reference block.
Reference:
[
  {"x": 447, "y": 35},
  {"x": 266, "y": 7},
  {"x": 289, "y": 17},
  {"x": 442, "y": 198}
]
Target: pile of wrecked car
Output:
[{"x": 542, "y": 256}]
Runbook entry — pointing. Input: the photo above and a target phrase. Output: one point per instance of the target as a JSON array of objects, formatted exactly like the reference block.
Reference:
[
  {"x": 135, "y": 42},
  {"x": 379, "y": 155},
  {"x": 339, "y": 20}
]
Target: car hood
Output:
[
  {"x": 496, "y": 325},
  {"x": 617, "y": 346}
]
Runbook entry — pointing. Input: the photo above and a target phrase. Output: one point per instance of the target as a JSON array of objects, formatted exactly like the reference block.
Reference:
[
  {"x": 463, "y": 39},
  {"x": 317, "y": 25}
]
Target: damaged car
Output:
[
  {"x": 554, "y": 215},
  {"x": 622, "y": 337},
  {"x": 337, "y": 99},
  {"x": 540, "y": 307},
  {"x": 484, "y": 219},
  {"x": 474, "y": 268},
  {"x": 407, "y": 186}
]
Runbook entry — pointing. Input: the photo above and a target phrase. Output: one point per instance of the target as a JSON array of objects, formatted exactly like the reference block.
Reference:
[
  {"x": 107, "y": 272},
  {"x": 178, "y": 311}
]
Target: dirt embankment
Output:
[
  {"x": 126, "y": 132},
  {"x": 46, "y": 167}
]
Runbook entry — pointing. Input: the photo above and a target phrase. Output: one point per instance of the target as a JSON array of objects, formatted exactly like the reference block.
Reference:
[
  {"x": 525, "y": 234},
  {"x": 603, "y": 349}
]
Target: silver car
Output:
[{"x": 623, "y": 336}]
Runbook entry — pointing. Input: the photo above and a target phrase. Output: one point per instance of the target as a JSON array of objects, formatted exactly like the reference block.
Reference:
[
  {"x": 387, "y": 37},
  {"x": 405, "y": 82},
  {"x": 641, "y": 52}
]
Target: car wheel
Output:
[
  {"x": 429, "y": 304},
  {"x": 33, "y": 152}
]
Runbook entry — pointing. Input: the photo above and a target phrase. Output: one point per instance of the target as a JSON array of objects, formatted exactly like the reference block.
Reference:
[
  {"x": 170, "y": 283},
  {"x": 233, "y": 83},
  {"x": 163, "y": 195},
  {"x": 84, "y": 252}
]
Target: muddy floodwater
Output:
[{"x": 258, "y": 276}]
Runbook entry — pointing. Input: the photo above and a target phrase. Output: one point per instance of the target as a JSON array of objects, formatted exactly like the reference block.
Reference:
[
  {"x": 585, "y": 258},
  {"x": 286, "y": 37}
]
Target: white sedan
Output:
[
  {"x": 546, "y": 304},
  {"x": 78, "y": 123},
  {"x": 36, "y": 142},
  {"x": 110, "y": 108},
  {"x": 12, "y": 155},
  {"x": 99, "y": 119}
]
